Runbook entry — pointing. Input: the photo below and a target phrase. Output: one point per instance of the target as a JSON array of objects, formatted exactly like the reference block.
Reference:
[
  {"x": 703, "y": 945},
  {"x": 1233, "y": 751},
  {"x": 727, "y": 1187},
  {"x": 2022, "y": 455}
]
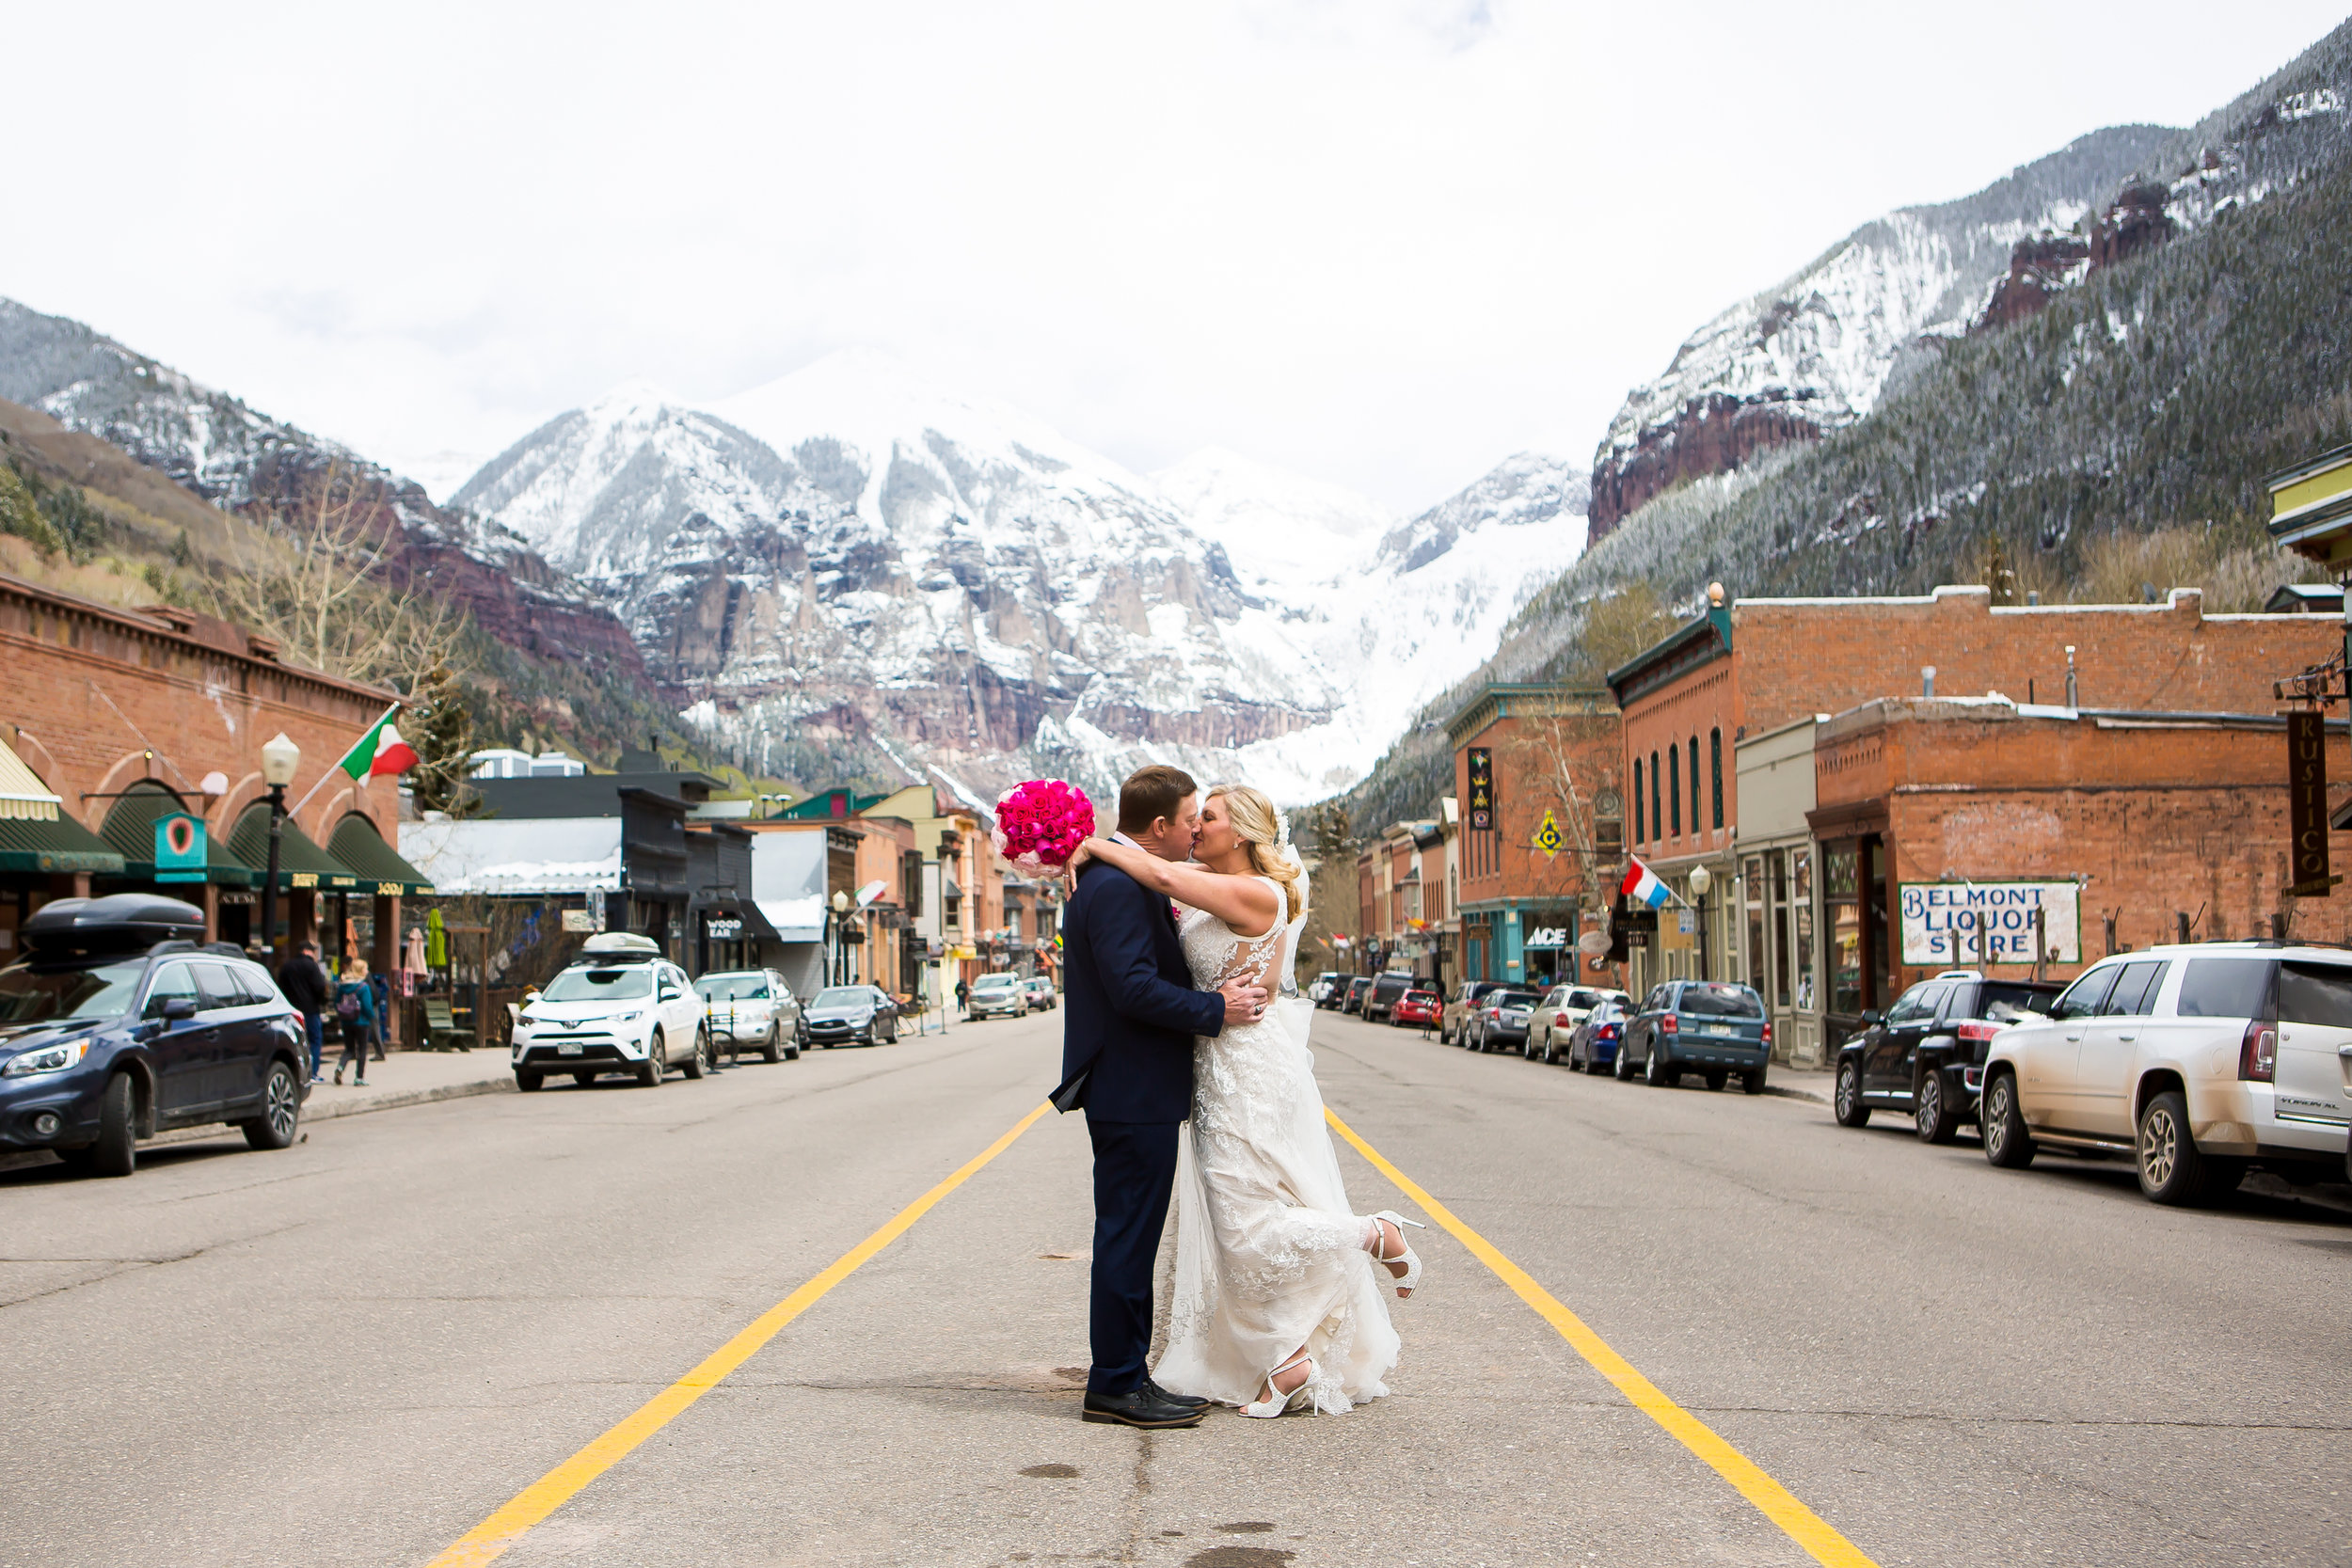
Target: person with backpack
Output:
[
  {"x": 306, "y": 986},
  {"x": 380, "y": 986},
  {"x": 354, "y": 1009}
]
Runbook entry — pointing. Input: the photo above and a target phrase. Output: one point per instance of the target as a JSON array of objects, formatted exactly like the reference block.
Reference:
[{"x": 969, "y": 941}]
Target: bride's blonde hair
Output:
[{"x": 1255, "y": 823}]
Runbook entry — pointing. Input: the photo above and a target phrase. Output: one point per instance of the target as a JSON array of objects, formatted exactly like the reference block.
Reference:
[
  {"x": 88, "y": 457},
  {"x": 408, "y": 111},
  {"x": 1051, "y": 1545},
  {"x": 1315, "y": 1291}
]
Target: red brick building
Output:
[
  {"x": 1541, "y": 837},
  {"x": 124, "y": 715}
]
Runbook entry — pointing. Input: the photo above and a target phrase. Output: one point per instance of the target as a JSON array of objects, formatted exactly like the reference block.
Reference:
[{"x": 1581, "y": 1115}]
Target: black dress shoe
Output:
[
  {"x": 1140, "y": 1406},
  {"x": 1165, "y": 1397}
]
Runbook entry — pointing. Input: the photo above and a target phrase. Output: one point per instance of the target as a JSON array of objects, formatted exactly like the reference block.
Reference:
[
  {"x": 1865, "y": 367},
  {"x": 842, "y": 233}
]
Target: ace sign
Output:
[{"x": 1990, "y": 923}]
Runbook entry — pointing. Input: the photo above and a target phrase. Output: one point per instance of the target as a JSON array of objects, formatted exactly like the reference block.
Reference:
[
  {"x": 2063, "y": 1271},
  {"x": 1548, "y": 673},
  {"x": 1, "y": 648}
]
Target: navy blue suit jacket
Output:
[{"x": 1129, "y": 1012}]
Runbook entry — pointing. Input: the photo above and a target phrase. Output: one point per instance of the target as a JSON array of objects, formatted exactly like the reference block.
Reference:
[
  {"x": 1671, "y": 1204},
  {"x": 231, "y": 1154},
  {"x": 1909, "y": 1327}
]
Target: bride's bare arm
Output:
[{"x": 1244, "y": 903}]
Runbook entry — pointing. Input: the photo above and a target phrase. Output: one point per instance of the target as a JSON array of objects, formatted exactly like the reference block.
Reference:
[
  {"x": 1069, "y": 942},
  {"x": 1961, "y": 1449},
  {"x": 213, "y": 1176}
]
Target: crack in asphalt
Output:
[{"x": 126, "y": 1265}]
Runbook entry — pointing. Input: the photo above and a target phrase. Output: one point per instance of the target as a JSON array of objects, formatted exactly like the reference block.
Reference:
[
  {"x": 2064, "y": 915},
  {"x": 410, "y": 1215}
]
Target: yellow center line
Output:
[
  {"x": 551, "y": 1491},
  {"x": 1774, "y": 1501}
]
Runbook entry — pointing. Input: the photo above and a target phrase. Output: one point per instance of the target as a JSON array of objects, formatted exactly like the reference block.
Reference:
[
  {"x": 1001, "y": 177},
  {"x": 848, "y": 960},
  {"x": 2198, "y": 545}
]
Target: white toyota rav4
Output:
[
  {"x": 620, "y": 1006},
  {"x": 2199, "y": 1061}
]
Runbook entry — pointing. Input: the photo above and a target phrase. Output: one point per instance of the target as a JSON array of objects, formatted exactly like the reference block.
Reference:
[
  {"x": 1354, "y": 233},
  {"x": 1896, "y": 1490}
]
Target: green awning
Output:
[
  {"x": 130, "y": 832},
  {"x": 301, "y": 864},
  {"x": 359, "y": 847},
  {"x": 63, "y": 844}
]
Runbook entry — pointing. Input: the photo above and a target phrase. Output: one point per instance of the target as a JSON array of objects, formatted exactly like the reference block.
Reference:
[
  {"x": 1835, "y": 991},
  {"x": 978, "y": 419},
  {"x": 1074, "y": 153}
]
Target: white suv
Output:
[
  {"x": 620, "y": 1006},
  {"x": 2198, "y": 1061}
]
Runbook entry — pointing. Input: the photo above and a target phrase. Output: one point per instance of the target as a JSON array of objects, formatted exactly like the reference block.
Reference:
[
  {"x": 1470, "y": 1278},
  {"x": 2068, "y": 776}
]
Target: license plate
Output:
[
  {"x": 567, "y": 1048},
  {"x": 1719, "y": 1029}
]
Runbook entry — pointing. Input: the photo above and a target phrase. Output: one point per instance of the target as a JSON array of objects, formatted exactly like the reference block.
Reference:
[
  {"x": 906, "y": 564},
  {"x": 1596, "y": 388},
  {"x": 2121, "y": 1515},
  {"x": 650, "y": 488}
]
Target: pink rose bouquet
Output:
[{"x": 1040, "y": 823}]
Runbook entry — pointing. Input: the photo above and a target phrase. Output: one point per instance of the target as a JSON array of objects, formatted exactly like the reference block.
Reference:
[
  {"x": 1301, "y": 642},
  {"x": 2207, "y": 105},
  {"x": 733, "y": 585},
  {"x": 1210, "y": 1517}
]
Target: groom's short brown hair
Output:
[{"x": 1152, "y": 793}]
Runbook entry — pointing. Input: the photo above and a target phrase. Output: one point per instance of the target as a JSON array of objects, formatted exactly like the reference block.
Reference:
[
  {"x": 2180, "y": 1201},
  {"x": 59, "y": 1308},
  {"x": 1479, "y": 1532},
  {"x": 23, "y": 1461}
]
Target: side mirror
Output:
[
  {"x": 1872, "y": 1018},
  {"x": 173, "y": 1010}
]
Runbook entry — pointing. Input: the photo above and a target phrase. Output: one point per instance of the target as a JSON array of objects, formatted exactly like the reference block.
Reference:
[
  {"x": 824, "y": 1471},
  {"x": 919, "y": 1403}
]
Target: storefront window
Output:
[
  {"x": 1887, "y": 958},
  {"x": 1776, "y": 867},
  {"x": 1801, "y": 913},
  {"x": 1752, "y": 884},
  {"x": 1840, "y": 884}
]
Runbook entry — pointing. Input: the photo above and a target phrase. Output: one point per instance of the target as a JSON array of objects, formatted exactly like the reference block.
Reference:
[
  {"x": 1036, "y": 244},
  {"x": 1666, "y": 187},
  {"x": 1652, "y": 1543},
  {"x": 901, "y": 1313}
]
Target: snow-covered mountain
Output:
[
  {"x": 1819, "y": 350},
  {"x": 853, "y": 556}
]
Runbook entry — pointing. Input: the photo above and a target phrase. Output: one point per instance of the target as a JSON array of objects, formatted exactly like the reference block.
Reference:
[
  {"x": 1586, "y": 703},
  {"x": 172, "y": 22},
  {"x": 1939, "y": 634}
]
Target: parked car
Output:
[
  {"x": 1712, "y": 1027},
  {"x": 1498, "y": 1021},
  {"x": 620, "y": 1006},
  {"x": 1002, "y": 994},
  {"x": 1453, "y": 1028},
  {"x": 1556, "y": 1016},
  {"x": 2198, "y": 1061},
  {"x": 1358, "y": 989},
  {"x": 754, "y": 1008},
  {"x": 119, "y": 1024},
  {"x": 1918, "y": 1057},
  {"x": 1386, "y": 990},
  {"x": 1329, "y": 989},
  {"x": 1041, "y": 994},
  {"x": 1593, "y": 1042},
  {"x": 1424, "y": 1007},
  {"x": 860, "y": 1015}
]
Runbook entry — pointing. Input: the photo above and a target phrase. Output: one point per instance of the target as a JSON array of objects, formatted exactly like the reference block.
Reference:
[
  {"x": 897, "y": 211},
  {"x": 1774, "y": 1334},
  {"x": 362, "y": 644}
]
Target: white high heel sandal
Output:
[
  {"x": 1411, "y": 1278},
  {"x": 1277, "y": 1403}
]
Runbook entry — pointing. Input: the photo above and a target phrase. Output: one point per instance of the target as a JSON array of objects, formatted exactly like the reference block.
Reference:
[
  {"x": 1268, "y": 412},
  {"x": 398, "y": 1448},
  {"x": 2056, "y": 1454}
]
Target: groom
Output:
[{"x": 1129, "y": 1015}]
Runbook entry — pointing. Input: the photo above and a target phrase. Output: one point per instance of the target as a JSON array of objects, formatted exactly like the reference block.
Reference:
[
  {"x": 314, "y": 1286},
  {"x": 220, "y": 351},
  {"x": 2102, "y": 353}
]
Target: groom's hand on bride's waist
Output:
[{"x": 1244, "y": 1002}]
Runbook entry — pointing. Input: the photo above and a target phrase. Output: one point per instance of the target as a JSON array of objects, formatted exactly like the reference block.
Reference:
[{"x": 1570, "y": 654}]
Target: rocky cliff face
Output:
[
  {"x": 214, "y": 445},
  {"x": 1819, "y": 350},
  {"x": 853, "y": 556}
]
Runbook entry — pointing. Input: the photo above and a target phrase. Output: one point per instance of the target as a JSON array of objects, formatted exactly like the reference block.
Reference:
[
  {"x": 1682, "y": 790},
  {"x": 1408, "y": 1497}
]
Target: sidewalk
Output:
[{"x": 1817, "y": 1084}]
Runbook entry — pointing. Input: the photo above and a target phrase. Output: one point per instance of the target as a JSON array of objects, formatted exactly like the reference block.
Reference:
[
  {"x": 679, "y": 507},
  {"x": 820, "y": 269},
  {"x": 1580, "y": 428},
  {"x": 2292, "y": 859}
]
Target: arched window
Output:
[
  {"x": 1674, "y": 788},
  {"x": 1657, "y": 817},
  {"x": 1694, "y": 786},
  {"x": 1638, "y": 836},
  {"x": 1715, "y": 772}
]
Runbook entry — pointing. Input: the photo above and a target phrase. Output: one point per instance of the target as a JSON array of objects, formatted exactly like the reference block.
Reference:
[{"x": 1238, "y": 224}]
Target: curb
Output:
[
  {"x": 334, "y": 1109},
  {"x": 1797, "y": 1093}
]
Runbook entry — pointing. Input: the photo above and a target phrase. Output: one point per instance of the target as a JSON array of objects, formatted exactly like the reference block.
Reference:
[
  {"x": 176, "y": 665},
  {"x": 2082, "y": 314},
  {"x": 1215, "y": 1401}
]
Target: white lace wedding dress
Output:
[{"x": 1268, "y": 1256}]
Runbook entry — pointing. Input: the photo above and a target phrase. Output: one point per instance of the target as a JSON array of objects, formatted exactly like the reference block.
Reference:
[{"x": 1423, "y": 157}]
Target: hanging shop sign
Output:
[
  {"x": 581, "y": 920},
  {"x": 179, "y": 848},
  {"x": 1990, "y": 923},
  {"x": 1482, "y": 788},
  {"x": 2307, "y": 806}
]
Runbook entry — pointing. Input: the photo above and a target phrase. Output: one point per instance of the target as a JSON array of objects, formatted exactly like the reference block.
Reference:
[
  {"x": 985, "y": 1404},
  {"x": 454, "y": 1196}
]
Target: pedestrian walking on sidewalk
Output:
[
  {"x": 963, "y": 997},
  {"x": 355, "y": 1009},
  {"x": 304, "y": 984},
  {"x": 381, "y": 987}
]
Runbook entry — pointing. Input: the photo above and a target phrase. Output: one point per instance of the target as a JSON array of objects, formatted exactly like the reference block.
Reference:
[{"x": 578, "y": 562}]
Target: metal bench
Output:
[{"x": 441, "y": 1032}]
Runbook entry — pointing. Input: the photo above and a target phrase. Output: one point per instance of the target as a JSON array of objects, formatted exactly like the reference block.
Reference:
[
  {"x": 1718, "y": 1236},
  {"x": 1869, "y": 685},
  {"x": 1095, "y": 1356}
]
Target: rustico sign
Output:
[{"x": 1990, "y": 923}]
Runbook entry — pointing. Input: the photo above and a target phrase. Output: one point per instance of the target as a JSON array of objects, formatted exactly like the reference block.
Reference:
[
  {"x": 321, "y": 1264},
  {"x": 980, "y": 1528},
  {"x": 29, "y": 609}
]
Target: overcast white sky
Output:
[{"x": 1381, "y": 242}]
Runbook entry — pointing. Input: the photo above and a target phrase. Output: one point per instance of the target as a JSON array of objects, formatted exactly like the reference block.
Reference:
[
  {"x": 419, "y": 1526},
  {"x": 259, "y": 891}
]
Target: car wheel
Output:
[
  {"x": 2171, "y": 1168},
  {"x": 527, "y": 1080},
  {"x": 583, "y": 1079},
  {"x": 1846, "y": 1098},
  {"x": 799, "y": 1042},
  {"x": 1654, "y": 1069},
  {"x": 1752, "y": 1082},
  {"x": 1624, "y": 1064},
  {"x": 281, "y": 1110},
  {"x": 772, "y": 1049},
  {"x": 1932, "y": 1112},
  {"x": 2007, "y": 1143},
  {"x": 117, "y": 1151},
  {"x": 657, "y": 1062},
  {"x": 1715, "y": 1081},
  {"x": 699, "y": 1063}
]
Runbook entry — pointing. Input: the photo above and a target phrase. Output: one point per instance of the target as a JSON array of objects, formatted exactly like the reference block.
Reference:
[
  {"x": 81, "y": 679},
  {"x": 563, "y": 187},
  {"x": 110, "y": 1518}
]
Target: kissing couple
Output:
[{"x": 1178, "y": 931}]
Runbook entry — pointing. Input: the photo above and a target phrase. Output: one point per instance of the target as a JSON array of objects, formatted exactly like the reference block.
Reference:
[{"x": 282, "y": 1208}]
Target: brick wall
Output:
[
  {"x": 1534, "y": 756},
  {"x": 91, "y": 689}
]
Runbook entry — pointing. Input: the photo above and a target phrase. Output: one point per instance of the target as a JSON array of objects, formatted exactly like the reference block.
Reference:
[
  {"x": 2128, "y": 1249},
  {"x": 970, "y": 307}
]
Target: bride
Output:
[{"x": 1276, "y": 1307}]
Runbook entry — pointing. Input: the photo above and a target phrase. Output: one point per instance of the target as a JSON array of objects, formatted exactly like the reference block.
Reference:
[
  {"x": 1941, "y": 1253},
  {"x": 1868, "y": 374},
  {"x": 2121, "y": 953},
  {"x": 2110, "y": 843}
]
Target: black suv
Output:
[
  {"x": 1920, "y": 1057},
  {"x": 1386, "y": 992},
  {"x": 120, "y": 1023}
]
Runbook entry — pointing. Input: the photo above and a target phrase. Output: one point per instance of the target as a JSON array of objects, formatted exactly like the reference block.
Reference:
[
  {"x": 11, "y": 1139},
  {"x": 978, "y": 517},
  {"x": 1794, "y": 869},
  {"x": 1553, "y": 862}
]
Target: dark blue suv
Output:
[
  {"x": 1707, "y": 1026},
  {"x": 121, "y": 1023}
]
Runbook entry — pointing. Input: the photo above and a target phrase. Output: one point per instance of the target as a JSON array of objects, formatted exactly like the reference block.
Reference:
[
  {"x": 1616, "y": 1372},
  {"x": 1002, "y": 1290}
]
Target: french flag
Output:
[{"x": 1642, "y": 887}]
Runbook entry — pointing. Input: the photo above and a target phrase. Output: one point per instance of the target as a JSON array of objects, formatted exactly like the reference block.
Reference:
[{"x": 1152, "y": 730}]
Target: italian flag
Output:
[{"x": 379, "y": 751}]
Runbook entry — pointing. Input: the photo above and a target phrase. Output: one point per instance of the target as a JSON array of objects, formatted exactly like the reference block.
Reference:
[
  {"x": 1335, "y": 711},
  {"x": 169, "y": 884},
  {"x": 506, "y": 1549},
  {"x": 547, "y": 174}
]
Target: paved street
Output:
[{"x": 356, "y": 1351}]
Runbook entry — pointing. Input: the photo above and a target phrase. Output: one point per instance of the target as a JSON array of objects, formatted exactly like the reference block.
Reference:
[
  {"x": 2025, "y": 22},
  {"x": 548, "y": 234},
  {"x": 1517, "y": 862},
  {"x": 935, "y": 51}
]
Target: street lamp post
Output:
[
  {"x": 1700, "y": 882},
  {"x": 840, "y": 938},
  {"x": 280, "y": 758}
]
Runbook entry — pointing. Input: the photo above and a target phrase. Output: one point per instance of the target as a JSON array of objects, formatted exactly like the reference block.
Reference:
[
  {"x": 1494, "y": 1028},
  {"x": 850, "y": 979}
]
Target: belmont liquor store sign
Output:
[{"x": 1990, "y": 923}]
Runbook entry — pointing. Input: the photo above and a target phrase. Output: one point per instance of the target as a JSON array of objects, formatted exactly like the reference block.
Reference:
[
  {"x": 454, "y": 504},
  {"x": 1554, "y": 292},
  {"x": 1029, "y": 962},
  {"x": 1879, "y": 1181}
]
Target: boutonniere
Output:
[{"x": 1175, "y": 912}]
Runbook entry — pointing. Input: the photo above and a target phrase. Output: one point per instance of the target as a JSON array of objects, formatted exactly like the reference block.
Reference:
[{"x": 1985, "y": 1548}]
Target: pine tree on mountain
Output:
[{"x": 444, "y": 739}]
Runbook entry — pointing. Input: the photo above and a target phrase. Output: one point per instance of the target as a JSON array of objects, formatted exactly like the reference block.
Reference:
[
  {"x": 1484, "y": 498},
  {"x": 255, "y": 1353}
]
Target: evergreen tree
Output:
[{"x": 444, "y": 739}]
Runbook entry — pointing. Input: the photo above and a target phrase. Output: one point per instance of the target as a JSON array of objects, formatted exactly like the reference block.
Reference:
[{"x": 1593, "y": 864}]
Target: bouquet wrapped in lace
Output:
[{"x": 1040, "y": 823}]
